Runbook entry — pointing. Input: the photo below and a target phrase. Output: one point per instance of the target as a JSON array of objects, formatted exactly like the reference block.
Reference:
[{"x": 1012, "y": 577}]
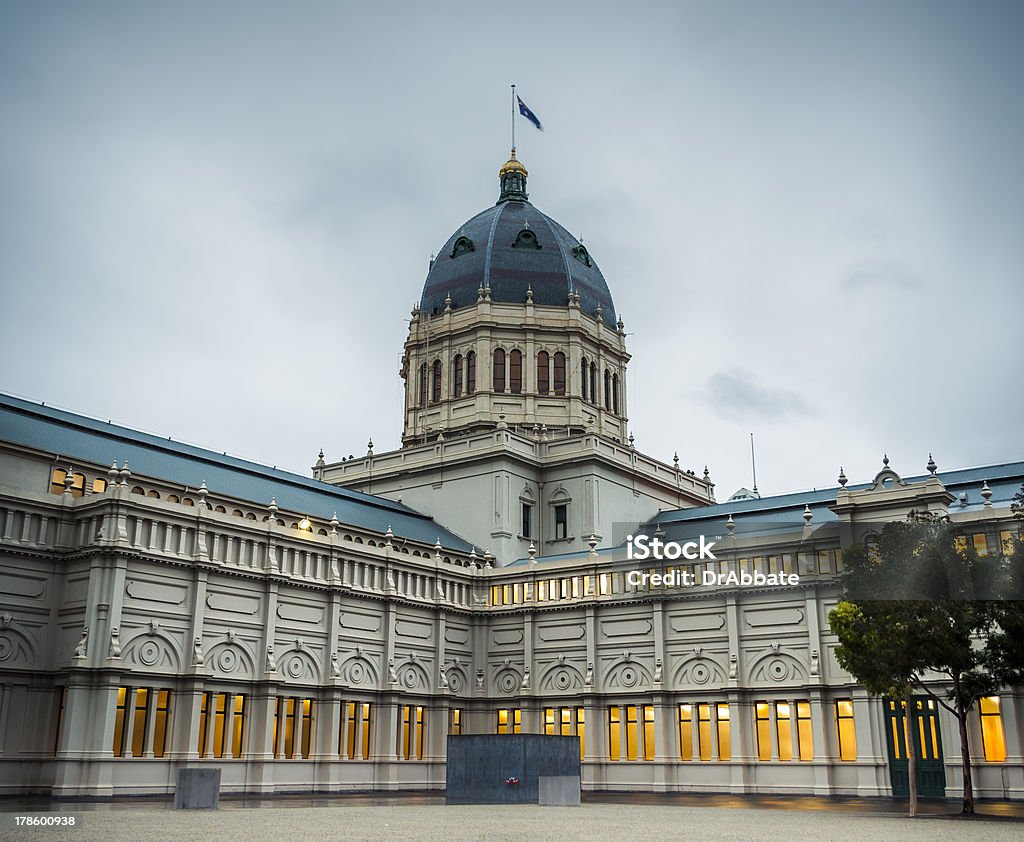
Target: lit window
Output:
[
  {"x": 455, "y": 721},
  {"x": 219, "y": 716},
  {"x": 204, "y": 723},
  {"x": 559, "y": 373},
  {"x": 139, "y": 722},
  {"x": 358, "y": 726},
  {"x": 543, "y": 373},
  {"x": 784, "y": 730},
  {"x": 648, "y": 732},
  {"x": 77, "y": 483},
  {"x": 163, "y": 712},
  {"x": 804, "y": 737},
  {"x": 724, "y": 731},
  {"x": 686, "y": 732},
  {"x": 499, "y": 370},
  {"x": 980, "y": 544},
  {"x": 99, "y": 486},
  {"x": 704, "y": 731},
  {"x": 237, "y": 726},
  {"x": 992, "y": 737},
  {"x": 119, "y": 721},
  {"x": 614, "y": 733},
  {"x": 411, "y": 732},
  {"x": 631, "y": 735},
  {"x": 845, "y": 730},
  {"x": 510, "y": 720},
  {"x": 764, "y": 731}
]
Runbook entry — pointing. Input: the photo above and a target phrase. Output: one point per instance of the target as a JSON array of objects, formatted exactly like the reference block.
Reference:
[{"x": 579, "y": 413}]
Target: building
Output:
[{"x": 165, "y": 604}]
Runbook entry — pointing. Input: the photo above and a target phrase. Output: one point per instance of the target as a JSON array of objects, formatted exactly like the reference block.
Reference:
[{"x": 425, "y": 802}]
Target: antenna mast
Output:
[{"x": 753, "y": 463}]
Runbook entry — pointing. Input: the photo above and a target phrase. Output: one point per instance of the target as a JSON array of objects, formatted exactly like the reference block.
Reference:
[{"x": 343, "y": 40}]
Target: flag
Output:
[{"x": 529, "y": 115}]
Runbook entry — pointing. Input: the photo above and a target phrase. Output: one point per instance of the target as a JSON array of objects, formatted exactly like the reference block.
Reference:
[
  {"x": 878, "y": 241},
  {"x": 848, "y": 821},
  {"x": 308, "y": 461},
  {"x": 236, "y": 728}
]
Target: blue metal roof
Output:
[
  {"x": 552, "y": 271},
  {"x": 784, "y": 512},
  {"x": 76, "y": 437}
]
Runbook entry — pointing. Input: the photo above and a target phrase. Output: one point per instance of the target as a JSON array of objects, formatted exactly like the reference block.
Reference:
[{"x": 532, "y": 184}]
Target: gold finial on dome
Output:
[
  {"x": 512, "y": 177},
  {"x": 512, "y": 165}
]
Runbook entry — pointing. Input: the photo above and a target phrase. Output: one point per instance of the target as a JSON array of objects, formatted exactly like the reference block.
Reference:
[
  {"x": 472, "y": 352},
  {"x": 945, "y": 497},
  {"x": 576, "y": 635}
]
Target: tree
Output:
[{"x": 918, "y": 601}]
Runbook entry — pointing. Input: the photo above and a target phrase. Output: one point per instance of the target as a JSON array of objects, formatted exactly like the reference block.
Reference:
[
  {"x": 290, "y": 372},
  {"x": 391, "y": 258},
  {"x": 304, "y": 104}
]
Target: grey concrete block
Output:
[
  {"x": 558, "y": 790},
  {"x": 197, "y": 789},
  {"x": 480, "y": 767}
]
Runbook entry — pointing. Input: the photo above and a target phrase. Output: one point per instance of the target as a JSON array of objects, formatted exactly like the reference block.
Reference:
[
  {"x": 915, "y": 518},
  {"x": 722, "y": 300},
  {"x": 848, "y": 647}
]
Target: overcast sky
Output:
[{"x": 215, "y": 217}]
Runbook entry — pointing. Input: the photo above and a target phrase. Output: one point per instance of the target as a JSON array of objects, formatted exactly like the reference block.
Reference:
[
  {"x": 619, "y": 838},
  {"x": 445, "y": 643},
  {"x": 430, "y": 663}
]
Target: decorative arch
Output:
[
  {"x": 458, "y": 681},
  {"x": 153, "y": 648},
  {"x": 561, "y": 677},
  {"x": 627, "y": 674},
  {"x": 232, "y": 657},
  {"x": 507, "y": 679},
  {"x": 698, "y": 670},
  {"x": 17, "y": 644},
  {"x": 298, "y": 663},
  {"x": 775, "y": 666},
  {"x": 359, "y": 671},
  {"x": 463, "y": 245},
  {"x": 412, "y": 676}
]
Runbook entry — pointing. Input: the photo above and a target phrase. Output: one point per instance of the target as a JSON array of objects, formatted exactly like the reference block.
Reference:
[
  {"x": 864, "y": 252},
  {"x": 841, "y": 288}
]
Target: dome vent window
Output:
[
  {"x": 582, "y": 255},
  {"x": 526, "y": 239},
  {"x": 462, "y": 246}
]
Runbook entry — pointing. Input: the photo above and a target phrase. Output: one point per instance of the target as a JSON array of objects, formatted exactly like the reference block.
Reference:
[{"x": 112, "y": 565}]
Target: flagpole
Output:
[{"x": 513, "y": 119}]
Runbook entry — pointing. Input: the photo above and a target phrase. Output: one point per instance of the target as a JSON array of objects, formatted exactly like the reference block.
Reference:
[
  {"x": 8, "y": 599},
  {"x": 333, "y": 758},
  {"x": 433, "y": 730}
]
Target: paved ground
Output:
[{"x": 426, "y": 818}]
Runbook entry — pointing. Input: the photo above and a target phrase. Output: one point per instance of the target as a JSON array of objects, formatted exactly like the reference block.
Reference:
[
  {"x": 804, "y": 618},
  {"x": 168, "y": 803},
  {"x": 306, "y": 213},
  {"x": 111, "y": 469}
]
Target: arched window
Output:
[
  {"x": 499, "y": 370},
  {"x": 593, "y": 384},
  {"x": 435, "y": 382},
  {"x": 470, "y": 372},
  {"x": 607, "y": 389},
  {"x": 423, "y": 385},
  {"x": 583, "y": 378},
  {"x": 138, "y": 489},
  {"x": 515, "y": 372},
  {"x": 457, "y": 376},
  {"x": 559, "y": 373},
  {"x": 615, "y": 394},
  {"x": 153, "y": 493},
  {"x": 172, "y": 498},
  {"x": 543, "y": 373},
  {"x": 220, "y": 510}
]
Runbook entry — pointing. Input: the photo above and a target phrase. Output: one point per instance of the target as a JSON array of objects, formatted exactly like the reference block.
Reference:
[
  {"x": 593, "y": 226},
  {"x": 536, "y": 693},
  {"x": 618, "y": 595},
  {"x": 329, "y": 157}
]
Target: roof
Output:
[
  {"x": 78, "y": 438},
  {"x": 784, "y": 512},
  {"x": 508, "y": 248}
]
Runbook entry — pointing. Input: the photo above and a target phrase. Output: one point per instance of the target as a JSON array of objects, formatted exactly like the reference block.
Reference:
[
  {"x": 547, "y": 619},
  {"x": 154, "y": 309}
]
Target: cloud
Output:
[
  {"x": 892, "y": 274},
  {"x": 738, "y": 395}
]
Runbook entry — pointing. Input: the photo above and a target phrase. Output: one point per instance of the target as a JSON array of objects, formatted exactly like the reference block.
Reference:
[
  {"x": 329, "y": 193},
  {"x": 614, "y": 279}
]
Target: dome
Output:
[{"x": 512, "y": 247}]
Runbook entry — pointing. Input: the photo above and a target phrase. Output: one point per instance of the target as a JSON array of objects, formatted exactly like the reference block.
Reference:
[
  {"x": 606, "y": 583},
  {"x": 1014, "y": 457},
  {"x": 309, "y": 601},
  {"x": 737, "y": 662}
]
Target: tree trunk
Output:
[
  {"x": 911, "y": 747},
  {"x": 965, "y": 750}
]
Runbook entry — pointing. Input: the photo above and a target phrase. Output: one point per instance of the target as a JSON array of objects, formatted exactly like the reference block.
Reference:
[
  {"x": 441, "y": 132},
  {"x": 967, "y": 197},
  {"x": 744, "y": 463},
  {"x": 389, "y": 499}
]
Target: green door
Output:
[{"x": 931, "y": 775}]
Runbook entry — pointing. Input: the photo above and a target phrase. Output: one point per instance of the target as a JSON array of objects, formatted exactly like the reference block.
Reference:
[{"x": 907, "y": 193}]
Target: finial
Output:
[
  {"x": 931, "y": 466},
  {"x": 448, "y": 303},
  {"x": 335, "y": 523},
  {"x": 675, "y": 459},
  {"x": 388, "y": 535},
  {"x": 480, "y": 293},
  {"x": 842, "y": 477},
  {"x": 369, "y": 448},
  {"x": 885, "y": 459},
  {"x": 529, "y": 293},
  {"x": 730, "y": 524},
  {"x": 532, "y": 552},
  {"x": 986, "y": 493},
  {"x": 620, "y": 327},
  {"x": 808, "y": 514},
  {"x": 272, "y": 508},
  {"x": 202, "y": 491},
  {"x": 631, "y": 440},
  {"x": 592, "y": 543},
  {"x": 598, "y": 312},
  {"x": 707, "y": 474}
]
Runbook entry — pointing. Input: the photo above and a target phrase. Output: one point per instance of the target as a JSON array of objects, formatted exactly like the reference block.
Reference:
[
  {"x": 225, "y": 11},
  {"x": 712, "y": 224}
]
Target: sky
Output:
[{"x": 215, "y": 217}]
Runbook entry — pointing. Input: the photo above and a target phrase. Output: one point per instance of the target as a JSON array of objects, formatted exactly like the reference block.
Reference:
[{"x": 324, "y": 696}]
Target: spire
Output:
[{"x": 512, "y": 177}]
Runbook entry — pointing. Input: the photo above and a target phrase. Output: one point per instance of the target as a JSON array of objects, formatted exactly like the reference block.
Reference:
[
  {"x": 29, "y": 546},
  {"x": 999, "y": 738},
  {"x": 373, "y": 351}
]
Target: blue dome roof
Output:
[{"x": 510, "y": 247}]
